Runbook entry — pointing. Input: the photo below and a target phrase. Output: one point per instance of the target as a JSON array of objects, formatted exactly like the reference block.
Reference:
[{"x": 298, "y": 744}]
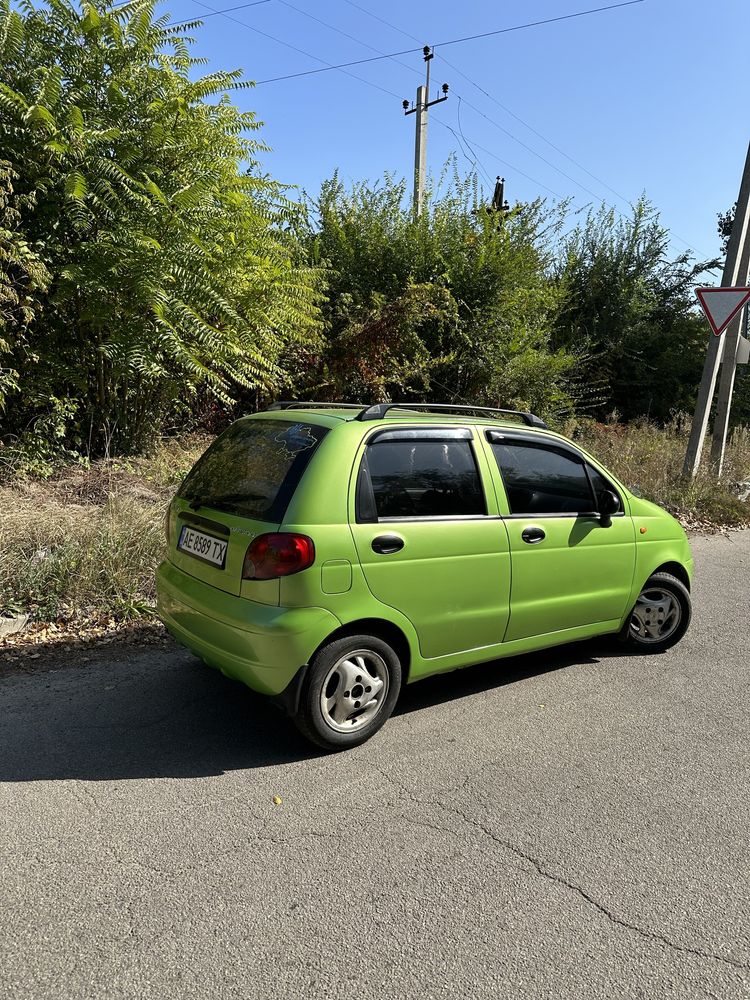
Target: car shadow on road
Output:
[{"x": 154, "y": 715}]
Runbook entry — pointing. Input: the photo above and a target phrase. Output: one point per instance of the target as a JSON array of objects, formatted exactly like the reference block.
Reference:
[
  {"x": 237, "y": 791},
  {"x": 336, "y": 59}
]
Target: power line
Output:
[
  {"x": 326, "y": 65},
  {"x": 531, "y": 128},
  {"x": 226, "y": 10},
  {"x": 476, "y": 155},
  {"x": 500, "y": 159},
  {"x": 531, "y": 149},
  {"x": 339, "y": 31},
  {"x": 393, "y": 57},
  {"x": 518, "y": 118},
  {"x": 382, "y": 20},
  {"x": 450, "y": 41},
  {"x": 342, "y": 67}
]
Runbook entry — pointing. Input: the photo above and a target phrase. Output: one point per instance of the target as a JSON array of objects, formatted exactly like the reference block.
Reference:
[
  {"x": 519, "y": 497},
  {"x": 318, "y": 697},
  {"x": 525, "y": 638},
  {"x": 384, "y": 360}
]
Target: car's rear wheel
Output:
[
  {"x": 661, "y": 615},
  {"x": 349, "y": 692}
]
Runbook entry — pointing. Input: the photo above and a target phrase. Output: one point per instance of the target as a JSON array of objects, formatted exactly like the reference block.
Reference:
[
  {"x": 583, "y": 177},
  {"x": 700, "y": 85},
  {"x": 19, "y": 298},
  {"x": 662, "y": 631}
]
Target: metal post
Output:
[
  {"x": 732, "y": 268},
  {"x": 728, "y": 370}
]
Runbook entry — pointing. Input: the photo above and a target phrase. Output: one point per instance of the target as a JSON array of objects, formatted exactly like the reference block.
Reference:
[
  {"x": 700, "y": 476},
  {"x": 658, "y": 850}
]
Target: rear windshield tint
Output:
[{"x": 253, "y": 468}]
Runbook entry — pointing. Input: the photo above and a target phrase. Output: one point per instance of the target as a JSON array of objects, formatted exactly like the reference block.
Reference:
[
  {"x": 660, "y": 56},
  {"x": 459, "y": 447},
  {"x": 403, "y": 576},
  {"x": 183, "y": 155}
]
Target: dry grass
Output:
[
  {"x": 649, "y": 459},
  {"x": 84, "y": 545}
]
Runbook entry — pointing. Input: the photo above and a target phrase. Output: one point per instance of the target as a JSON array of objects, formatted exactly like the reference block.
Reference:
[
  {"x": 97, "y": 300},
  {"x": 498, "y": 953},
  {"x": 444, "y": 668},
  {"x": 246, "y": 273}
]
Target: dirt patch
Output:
[{"x": 44, "y": 646}]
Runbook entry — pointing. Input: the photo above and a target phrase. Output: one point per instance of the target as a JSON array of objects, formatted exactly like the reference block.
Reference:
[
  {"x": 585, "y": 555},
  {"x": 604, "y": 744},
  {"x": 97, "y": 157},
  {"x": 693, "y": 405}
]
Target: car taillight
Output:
[{"x": 277, "y": 554}]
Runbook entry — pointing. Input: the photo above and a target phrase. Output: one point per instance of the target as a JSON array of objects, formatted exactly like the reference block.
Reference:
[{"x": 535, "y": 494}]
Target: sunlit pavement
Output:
[{"x": 573, "y": 824}]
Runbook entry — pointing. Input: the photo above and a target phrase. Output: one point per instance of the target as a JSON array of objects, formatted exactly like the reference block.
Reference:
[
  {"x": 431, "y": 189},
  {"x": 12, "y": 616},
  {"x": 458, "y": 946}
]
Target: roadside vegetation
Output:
[{"x": 156, "y": 281}]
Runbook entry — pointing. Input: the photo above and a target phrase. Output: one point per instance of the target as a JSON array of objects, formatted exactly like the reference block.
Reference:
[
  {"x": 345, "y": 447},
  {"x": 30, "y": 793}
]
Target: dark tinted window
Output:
[
  {"x": 419, "y": 479},
  {"x": 253, "y": 467},
  {"x": 543, "y": 481}
]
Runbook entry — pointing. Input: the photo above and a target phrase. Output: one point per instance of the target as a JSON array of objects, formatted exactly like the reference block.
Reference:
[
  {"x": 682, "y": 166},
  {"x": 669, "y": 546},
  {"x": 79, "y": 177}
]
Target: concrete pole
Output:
[
  {"x": 420, "y": 148},
  {"x": 732, "y": 269},
  {"x": 728, "y": 371}
]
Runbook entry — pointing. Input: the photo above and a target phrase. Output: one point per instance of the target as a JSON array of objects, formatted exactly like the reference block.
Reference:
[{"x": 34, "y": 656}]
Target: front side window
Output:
[
  {"x": 541, "y": 480},
  {"x": 412, "y": 478},
  {"x": 600, "y": 485}
]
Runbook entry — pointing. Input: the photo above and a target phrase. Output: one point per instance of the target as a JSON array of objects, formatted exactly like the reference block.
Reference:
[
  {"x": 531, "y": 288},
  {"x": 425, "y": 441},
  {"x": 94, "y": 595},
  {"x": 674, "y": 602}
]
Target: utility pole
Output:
[
  {"x": 730, "y": 360},
  {"x": 735, "y": 272},
  {"x": 423, "y": 102}
]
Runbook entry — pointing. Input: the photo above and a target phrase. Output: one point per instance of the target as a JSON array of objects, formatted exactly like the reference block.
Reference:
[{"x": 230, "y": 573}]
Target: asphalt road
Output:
[{"x": 568, "y": 825}]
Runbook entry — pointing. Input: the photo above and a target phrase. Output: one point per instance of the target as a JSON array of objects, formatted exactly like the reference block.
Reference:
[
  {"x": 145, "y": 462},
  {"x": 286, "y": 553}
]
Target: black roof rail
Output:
[
  {"x": 379, "y": 410},
  {"x": 295, "y": 404}
]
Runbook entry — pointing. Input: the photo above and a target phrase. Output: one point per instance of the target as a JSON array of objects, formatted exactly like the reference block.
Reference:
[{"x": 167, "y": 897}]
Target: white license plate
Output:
[{"x": 202, "y": 546}]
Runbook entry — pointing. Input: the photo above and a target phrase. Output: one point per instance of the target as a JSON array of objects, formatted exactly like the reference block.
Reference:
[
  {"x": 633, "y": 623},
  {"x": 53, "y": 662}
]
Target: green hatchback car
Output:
[{"x": 327, "y": 554}]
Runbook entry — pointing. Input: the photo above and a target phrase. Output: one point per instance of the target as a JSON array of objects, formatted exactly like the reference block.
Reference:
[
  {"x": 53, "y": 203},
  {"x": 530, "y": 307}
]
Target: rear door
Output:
[
  {"x": 429, "y": 539},
  {"x": 568, "y": 569},
  {"x": 238, "y": 489}
]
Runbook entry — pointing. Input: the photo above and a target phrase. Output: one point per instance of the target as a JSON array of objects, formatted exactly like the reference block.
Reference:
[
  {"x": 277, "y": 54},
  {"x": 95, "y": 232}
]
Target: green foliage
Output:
[
  {"x": 632, "y": 310},
  {"x": 23, "y": 279},
  {"x": 161, "y": 256},
  {"x": 454, "y": 304}
]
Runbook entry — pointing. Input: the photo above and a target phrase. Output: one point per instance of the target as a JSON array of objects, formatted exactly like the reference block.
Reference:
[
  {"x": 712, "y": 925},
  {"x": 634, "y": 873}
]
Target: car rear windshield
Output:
[{"x": 253, "y": 468}]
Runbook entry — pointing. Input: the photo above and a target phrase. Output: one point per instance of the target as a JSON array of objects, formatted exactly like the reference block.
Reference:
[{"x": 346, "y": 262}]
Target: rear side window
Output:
[
  {"x": 543, "y": 480},
  {"x": 412, "y": 478},
  {"x": 253, "y": 468}
]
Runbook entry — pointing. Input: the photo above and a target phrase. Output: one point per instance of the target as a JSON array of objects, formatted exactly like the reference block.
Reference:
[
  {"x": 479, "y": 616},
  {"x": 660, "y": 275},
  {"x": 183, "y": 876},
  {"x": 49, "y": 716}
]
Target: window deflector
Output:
[
  {"x": 521, "y": 441},
  {"x": 365, "y": 492}
]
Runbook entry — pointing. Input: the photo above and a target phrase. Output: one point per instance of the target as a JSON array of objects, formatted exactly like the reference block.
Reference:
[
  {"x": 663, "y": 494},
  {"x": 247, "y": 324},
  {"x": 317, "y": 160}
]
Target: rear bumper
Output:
[{"x": 261, "y": 645}]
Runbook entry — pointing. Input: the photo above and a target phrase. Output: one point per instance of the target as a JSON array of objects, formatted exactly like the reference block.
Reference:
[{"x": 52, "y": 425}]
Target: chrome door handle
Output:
[
  {"x": 384, "y": 545},
  {"x": 533, "y": 535}
]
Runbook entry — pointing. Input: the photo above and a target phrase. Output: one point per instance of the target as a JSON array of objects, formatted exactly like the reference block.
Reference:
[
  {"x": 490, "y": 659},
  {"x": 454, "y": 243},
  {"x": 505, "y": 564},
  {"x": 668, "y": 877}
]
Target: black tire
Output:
[
  {"x": 633, "y": 634},
  {"x": 313, "y": 721}
]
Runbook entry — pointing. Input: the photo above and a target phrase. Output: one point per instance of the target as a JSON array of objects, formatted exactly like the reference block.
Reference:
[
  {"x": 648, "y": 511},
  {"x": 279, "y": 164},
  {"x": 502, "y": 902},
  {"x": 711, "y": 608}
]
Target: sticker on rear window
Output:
[{"x": 297, "y": 438}]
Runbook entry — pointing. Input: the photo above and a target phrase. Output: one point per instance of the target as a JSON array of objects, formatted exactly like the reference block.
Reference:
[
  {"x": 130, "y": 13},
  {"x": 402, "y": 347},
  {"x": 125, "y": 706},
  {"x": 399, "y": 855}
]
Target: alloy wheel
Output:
[{"x": 354, "y": 691}]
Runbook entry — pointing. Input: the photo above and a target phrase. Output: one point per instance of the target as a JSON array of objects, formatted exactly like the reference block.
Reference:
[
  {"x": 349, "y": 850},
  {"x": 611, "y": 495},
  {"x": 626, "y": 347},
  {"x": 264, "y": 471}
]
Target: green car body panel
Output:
[{"x": 460, "y": 590}]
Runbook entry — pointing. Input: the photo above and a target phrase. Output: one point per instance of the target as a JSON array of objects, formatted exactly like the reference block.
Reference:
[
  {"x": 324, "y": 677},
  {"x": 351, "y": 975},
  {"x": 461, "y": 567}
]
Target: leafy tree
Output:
[
  {"x": 172, "y": 268},
  {"x": 455, "y": 304},
  {"x": 23, "y": 278},
  {"x": 724, "y": 225},
  {"x": 632, "y": 309}
]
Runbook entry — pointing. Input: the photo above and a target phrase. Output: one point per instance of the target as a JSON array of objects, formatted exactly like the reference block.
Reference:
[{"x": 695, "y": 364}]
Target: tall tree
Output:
[
  {"x": 631, "y": 307},
  {"x": 172, "y": 265}
]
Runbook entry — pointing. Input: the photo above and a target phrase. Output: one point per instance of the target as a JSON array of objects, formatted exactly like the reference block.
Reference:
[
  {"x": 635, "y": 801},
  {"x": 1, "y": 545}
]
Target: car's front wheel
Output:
[
  {"x": 349, "y": 692},
  {"x": 661, "y": 615}
]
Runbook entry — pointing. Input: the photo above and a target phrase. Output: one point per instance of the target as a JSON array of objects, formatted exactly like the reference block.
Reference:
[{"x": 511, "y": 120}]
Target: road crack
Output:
[{"x": 543, "y": 871}]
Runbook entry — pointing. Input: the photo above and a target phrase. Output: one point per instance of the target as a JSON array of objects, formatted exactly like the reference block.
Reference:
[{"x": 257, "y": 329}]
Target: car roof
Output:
[{"x": 330, "y": 416}]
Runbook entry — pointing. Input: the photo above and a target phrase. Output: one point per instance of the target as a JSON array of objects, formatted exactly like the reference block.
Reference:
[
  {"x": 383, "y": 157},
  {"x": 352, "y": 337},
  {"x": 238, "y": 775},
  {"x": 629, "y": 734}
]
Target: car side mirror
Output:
[{"x": 609, "y": 504}]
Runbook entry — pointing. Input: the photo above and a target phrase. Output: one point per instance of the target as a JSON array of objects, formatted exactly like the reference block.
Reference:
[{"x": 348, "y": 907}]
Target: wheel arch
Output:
[
  {"x": 676, "y": 569},
  {"x": 382, "y": 629}
]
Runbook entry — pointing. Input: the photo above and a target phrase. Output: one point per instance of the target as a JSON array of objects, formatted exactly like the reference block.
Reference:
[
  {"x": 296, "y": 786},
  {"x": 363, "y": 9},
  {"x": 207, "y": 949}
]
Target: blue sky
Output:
[{"x": 651, "y": 97}]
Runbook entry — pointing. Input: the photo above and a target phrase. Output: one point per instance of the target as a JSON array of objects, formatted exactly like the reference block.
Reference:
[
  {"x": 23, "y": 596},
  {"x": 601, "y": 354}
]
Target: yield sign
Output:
[{"x": 721, "y": 305}]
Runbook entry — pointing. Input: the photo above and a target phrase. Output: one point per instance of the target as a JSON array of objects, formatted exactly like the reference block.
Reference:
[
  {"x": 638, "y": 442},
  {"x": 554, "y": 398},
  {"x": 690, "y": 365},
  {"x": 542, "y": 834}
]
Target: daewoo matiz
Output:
[{"x": 327, "y": 554}]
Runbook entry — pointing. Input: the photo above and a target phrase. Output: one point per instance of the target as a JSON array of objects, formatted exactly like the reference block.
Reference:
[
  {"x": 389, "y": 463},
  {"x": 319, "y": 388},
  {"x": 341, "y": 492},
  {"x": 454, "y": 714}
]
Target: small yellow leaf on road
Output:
[{"x": 277, "y": 800}]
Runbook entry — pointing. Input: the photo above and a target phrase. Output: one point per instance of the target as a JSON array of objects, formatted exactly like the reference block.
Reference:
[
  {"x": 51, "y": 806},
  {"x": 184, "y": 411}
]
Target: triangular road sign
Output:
[{"x": 721, "y": 305}]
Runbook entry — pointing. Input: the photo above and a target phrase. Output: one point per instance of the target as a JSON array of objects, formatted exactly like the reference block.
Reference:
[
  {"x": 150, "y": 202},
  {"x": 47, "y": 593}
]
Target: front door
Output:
[
  {"x": 568, "y": 569},
  {"x": 430, "y": 543}
]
